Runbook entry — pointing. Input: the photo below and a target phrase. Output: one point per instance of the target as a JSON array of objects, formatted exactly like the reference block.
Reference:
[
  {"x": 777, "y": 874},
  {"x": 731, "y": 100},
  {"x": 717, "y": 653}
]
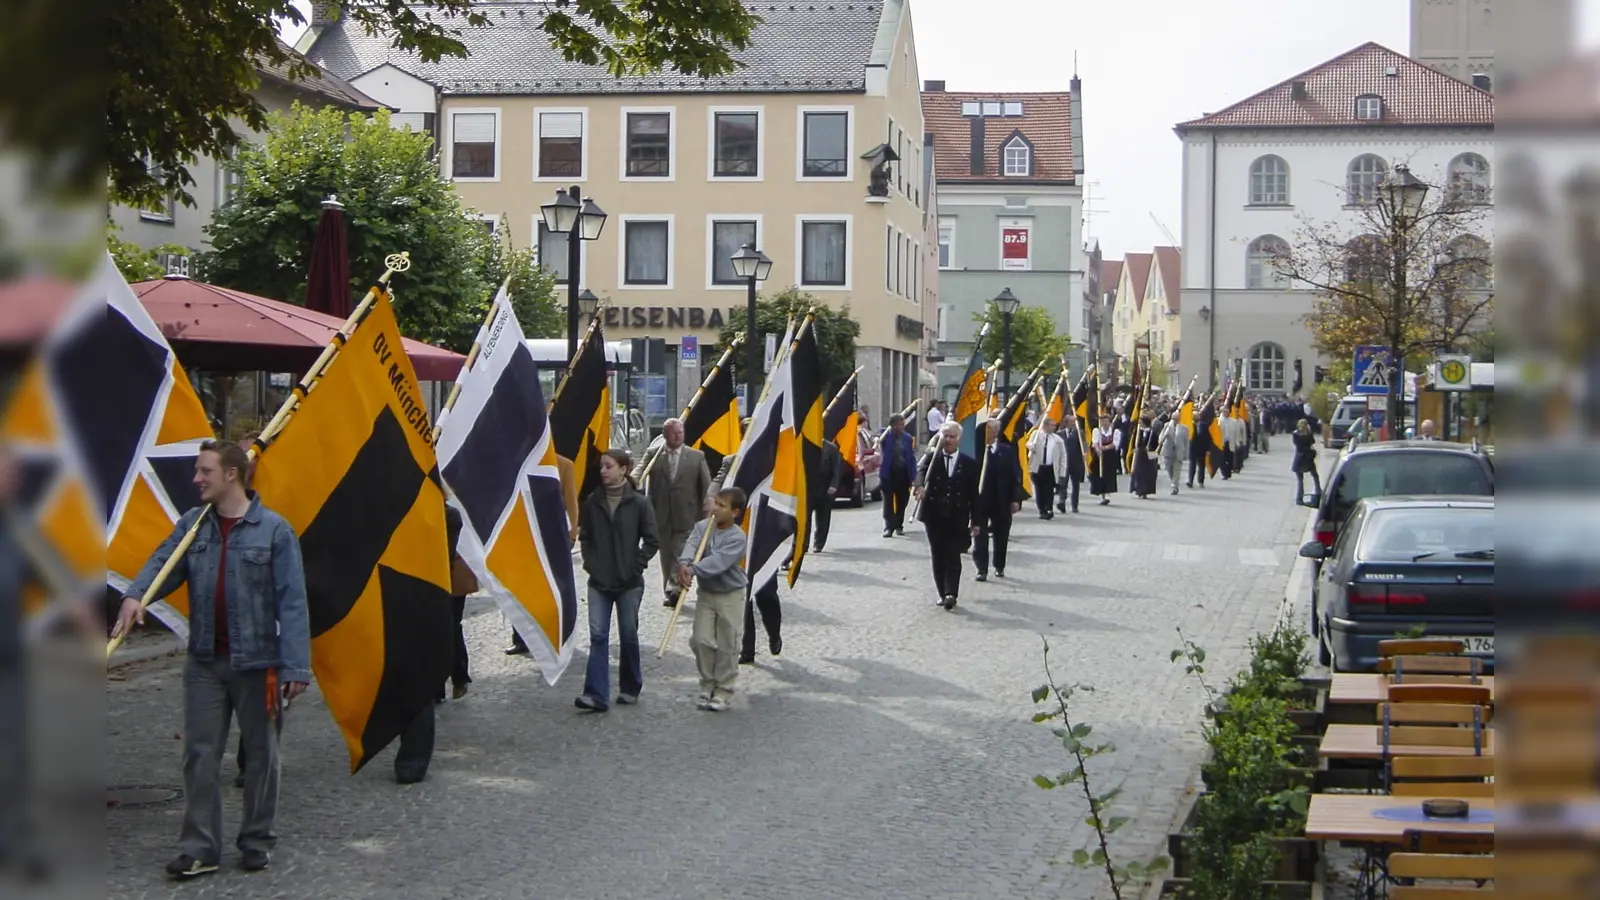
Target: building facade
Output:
[
  {"x": 1307, "y": 152},
  {"x": 1010, "y": 212},
  {"x": 173, "y": 222},
  {"x": 812, "y": 152},
  {"x": 1145, "y": 313}
]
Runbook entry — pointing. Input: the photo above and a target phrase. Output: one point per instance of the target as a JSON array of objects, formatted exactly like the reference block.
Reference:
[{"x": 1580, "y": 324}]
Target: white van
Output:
[{"x": 1350, "y": 410}]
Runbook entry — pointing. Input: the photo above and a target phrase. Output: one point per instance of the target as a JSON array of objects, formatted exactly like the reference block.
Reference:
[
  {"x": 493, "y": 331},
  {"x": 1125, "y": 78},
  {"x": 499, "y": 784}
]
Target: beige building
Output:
[
  {"x": 1144, "y": 313},
  {"x": 813, "y": 152}
]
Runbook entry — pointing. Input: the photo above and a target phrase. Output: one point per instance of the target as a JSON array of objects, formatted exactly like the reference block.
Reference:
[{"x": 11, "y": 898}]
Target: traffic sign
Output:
[
  {"x": 1454, "y": 372},
  {"x": 1371, "y": 370},
  {"x": 688, "y": 352}
]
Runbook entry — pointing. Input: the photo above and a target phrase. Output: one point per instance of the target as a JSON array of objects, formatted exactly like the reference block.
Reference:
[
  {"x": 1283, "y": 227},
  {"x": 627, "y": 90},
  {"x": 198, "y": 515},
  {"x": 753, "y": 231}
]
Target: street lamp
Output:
[
  {"x": 577, "y": 217},
  {"x": 1008, "y": 304},
  {"x": 1404, "y": 194},
  {"x": 752, "y": 265},
  {"x": 588, "y": 303}
]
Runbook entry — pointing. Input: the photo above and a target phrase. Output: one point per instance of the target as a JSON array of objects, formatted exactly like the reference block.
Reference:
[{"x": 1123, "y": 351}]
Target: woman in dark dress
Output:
[
  {"x": 1103, "y": 469},
  {"x": 1144, "y": 472},
  {"x": 1304, "y": 461}
]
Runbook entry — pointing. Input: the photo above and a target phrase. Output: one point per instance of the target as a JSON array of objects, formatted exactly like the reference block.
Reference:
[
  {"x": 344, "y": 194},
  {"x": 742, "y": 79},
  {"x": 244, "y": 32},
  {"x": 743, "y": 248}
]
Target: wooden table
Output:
[
  {"x": 1380, "y": 819},
  {"x": 1370, "y": 690},
  {"x": 1365, "y": 742}
]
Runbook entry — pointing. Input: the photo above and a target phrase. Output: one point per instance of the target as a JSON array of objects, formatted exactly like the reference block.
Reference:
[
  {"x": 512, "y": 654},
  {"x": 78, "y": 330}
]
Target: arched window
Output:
[
  {"x": 1469, "y": 179},
  {"x": 1017, "y": 154},
  {"x": 1269, "y": 181},
  {"x": 1261, "y": 262},
  {"x": 1366, "y": 260},
  {"x": 1366, "y": 172},
  {"x": 1473, "y": 261},
  {"x": 1264, "y": 368}
]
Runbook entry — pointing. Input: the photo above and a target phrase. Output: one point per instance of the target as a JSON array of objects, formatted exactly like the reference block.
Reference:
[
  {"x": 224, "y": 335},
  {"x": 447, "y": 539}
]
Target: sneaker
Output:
[
  {"x": 627, "y": 699},
  {"x": 589, "y": 703},
  {"x": 257, "y": 860},
  {"x": 186, "y": 866},
  {"x": 716, "y": 704}
]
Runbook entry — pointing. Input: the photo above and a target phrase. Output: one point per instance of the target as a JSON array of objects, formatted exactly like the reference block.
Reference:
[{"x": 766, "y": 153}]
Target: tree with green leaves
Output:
[
  {"x": 394, "y": 200},
  {"x": 1033, "y": 338},
  {"x": 183, "y": 72},
  {"x": 135, "y": 262},
  {"x": 836, "y": 332}
]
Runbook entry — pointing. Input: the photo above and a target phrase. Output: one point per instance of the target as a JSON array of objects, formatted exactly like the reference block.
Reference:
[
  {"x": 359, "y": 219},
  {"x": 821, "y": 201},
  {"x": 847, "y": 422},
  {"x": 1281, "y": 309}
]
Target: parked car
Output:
[
  {"x": 861, "y": 476},
  {"x": 1406, "y": 567},
  {"x": 1351, "y": 410},
  {"x": 1390, "y": 468}
]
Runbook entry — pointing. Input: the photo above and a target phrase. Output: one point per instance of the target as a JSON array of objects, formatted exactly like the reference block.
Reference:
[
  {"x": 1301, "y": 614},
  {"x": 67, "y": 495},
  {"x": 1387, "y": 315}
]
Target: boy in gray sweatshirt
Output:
[{"x": 719, "y": 604}]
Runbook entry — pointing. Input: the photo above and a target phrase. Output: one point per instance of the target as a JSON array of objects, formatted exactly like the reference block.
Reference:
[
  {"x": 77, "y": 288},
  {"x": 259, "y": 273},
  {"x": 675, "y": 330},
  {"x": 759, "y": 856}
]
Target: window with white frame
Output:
[
  {"x": 1369, "y": 107},
  {"x": 647, "y": 252},
  {"x": 561, "y": 145},
  {"x": 888, "y": 257},
  {"x": 553, "y": 252},
  {"x": 649, "y": 145},
  {"x": 1018, "y": 157},
  {"x": 826, "y": 151},
  {"x": 1262, "y": 260},
  {"x": 727, "y": 236},
  {"x": 472, "y": 144},
  {"x": 161, "y": 210},
  {"x": 736, "y": 143},
  {"x": 228, "y": 178},
  {"x": 824, "y": 253},
  {"x": 1365, "y": 174},
  {"x": 1367, "y": 260},
  {"x": 1469, "y": 179},
  {"x": 1265, "y": 367},
  {"x": 490, "y": 224},
  {"x": 947, "y": 243},
  {"x": 1269, "y": 181}
]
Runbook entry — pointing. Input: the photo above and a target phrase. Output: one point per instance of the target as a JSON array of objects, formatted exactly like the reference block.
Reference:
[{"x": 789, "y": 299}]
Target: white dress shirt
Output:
[{"x": 935, "y": 420}]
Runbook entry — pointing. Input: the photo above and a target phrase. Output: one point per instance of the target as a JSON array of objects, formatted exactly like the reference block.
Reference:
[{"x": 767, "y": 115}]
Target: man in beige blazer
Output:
[{"x": 677, "y": 486}]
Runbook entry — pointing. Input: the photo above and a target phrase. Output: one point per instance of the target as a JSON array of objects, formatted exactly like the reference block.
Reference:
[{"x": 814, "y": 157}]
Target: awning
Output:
[{"x": 220, "y": 330}]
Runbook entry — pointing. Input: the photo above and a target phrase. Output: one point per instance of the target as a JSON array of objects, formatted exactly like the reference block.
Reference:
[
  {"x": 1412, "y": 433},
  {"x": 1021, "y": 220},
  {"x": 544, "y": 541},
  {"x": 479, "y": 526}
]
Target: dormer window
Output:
[
  {"x": 1018, "y": 157},
  {"x": 1369, "y": 107}
]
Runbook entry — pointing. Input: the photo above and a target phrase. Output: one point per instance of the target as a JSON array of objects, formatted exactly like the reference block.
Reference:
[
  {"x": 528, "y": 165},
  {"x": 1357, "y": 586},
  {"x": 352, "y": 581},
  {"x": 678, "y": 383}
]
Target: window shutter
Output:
[
  {"x": 415, "y": 121},
  {"x": 474, "y": 128},
  {"x": 561, "y": 125}
]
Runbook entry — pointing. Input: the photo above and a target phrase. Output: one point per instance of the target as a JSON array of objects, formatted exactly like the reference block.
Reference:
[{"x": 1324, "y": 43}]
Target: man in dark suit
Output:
[
  {"x": 947, "y": 487},
  {"x": 1075, "y": 470},
  {"x": 898, "y": 452},
  {"x": 1000, "y": 496},
  {"x": 822, "y": 493}
]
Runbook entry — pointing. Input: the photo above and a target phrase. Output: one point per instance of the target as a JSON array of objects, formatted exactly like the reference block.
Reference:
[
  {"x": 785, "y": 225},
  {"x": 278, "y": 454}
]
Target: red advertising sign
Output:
[{"x": 1014, "y": 248}]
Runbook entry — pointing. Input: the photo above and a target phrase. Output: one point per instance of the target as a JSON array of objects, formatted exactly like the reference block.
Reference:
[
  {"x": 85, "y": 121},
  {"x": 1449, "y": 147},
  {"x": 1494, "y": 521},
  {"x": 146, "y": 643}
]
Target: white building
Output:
[{"x": 1306, "y": 150}]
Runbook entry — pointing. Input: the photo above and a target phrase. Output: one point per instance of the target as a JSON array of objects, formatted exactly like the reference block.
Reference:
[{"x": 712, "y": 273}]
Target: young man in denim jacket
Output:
[{"x": 249, "y": 651}]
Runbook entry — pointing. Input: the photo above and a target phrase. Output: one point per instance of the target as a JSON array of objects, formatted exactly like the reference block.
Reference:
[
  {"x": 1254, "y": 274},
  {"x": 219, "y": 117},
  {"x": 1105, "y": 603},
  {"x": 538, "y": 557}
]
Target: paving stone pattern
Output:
[{"x": 887, "y": 754}]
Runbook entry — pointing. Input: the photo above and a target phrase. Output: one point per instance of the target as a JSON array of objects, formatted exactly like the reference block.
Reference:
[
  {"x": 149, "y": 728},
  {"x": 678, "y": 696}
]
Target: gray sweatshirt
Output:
[{"x": 719, "y": 568}]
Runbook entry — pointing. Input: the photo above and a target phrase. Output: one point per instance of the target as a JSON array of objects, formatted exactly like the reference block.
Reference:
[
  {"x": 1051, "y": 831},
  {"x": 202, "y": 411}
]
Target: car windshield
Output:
[
  {"x": 1436, "y": 532},
  {"x": 1397, "y": 473}
]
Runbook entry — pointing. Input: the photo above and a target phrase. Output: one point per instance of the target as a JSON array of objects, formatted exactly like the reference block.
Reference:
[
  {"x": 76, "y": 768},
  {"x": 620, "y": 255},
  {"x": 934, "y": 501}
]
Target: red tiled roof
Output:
[
  {"x": 1138, "y": 276},
  {"x": 1169, "y": 260},
  {"x": 1110, "y": 275},
  {"x": 1415, "y": 95},
  {"x": 1046, "y": 122}
]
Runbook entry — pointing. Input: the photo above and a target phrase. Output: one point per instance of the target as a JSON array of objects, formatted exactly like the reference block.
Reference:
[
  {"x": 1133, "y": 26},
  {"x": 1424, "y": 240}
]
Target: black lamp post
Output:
[
  {"x": 1404, "y": 194},
  {"x": 752, "y": 265},
  {"x": 580, "y": 220},
  {"x": 1008, "y": 304},
  {"x": 1211, "y": 348}
]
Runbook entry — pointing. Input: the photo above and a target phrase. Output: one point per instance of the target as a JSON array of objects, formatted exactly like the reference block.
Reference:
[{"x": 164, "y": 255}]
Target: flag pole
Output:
[
  {"x": 727, "y": 355},
  {"x": 844, "y": 387},
  {"x": 472, "y": 359},
  {"x": 573, "y": 362},
  {"x": 394, "y": 262},
  {"x": 683, "y": 596}
]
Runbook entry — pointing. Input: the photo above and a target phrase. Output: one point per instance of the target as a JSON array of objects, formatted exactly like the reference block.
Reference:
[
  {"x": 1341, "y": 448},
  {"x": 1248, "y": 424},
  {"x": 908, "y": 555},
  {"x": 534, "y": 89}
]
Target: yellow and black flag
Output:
[
  {"x": 580, "y": 414},
  {"x": 712, "y": 423},
  {"x": 805, "y": 387},
  {"x": 1086, "y": 405},
  {"x": 354, "y": 473},
  {"x": 841, "y": 422}
]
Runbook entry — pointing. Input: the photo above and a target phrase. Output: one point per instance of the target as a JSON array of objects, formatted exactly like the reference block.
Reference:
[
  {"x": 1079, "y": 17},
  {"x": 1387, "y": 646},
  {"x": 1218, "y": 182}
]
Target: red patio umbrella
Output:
[
  {"x": 328, "y": 281},
  {"x": 223, "y": 330}
]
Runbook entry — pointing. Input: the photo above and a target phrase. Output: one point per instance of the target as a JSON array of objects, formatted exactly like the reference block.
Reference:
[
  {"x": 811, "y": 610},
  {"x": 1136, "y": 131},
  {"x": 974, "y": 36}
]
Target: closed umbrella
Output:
[{"x": 328, "y": 282}]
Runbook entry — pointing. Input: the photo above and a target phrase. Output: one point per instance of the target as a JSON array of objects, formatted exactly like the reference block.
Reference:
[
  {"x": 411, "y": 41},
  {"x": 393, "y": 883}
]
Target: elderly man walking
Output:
[
  {"x": 1174, "y": 445},
  {"x": 678, "y": 484}
]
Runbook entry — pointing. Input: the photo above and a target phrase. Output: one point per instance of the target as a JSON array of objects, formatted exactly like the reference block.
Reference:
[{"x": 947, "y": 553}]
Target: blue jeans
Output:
[{"x": 630, "y": 678}]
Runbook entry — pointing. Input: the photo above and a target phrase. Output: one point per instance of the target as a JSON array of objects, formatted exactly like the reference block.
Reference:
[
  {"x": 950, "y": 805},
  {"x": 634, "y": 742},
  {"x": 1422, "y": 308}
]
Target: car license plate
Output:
[{"x": 1477, "y": 646}]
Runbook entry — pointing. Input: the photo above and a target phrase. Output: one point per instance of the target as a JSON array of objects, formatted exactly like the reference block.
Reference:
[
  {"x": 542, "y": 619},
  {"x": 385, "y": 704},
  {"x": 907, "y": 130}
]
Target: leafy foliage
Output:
[
  {"x": 1074, "y": 739},
  {"x": 183, "y": 72},
  {"x": 836, "y": 331},
  {"x": 394, "y": 200},
  {"x": 135, "y": 262},
  {"x": 1033, "y": 337}
]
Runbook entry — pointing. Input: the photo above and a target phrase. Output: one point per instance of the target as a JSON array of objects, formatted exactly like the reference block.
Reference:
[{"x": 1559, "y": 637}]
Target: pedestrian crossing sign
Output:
[{"x": 1371, "y": 370}]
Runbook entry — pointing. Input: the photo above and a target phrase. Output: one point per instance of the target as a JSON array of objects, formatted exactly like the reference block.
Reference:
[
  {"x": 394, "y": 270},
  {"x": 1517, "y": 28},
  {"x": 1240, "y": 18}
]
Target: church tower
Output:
[{"x": 1462, "y": 38}]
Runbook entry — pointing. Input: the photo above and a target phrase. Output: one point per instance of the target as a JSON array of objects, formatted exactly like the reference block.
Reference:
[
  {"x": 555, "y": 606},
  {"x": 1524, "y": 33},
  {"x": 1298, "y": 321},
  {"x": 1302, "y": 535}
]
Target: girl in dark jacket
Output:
[
  {"x": 617, "y": 531},
  {"x": 1305, "y": 460}
]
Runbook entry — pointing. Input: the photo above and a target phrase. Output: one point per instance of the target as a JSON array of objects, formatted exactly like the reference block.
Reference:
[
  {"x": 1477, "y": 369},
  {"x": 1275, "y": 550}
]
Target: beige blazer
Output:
[{"x": 678, "y": 502}]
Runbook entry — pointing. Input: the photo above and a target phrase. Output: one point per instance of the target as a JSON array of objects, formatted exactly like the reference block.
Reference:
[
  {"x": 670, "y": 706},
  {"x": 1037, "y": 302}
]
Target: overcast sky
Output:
[{"x": 1147, "y": 65}]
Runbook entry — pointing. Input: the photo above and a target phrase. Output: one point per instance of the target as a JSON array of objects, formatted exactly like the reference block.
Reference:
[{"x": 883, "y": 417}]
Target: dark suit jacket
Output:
[
  {"x": 830, "y": 474},
  {"x": 947, "y": 503},
  {"x": 1001, "y": 482},
  {"x": 1077, "y": 470}
]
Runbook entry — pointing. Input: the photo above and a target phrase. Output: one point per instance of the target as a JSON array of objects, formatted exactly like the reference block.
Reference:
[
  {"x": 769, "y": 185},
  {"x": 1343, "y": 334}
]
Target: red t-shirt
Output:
[{"x": 220, "y": 602}]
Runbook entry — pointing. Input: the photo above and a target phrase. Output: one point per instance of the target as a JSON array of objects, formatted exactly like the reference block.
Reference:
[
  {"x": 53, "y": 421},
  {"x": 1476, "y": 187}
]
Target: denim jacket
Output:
[{"x": 268, "y": 623}]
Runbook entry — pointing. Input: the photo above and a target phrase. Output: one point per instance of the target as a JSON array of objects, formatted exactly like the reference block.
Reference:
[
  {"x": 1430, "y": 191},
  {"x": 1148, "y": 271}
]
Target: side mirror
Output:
[{"x": 1313, "y": 550}]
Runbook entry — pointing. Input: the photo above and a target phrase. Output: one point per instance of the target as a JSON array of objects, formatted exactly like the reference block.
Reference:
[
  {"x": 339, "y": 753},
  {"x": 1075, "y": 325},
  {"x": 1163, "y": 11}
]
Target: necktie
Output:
[
  {"x": 672, "y": 464},
  {"x": 950, "y": 464}
]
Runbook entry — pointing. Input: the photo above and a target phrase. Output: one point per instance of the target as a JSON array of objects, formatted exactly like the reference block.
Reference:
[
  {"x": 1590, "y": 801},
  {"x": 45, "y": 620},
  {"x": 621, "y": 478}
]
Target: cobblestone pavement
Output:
[{"x": 887, "y": 754}]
